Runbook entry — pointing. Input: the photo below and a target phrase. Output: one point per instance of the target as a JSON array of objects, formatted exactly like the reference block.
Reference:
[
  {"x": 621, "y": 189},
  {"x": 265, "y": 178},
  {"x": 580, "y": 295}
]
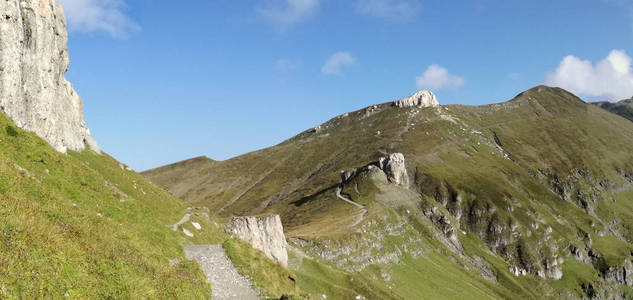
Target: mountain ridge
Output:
[
  {"x": 502, "y": 173},
  {"x": 623, "y": 108}
]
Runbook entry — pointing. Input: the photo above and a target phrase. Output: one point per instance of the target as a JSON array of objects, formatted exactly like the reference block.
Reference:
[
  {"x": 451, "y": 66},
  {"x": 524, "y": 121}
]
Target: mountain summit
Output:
[{"x": 33, "y": 60}]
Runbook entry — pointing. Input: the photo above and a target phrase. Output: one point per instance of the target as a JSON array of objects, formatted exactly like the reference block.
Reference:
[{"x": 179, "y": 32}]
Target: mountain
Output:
[
  {"x": 623, "y": 108},
  {"x": 531, "y": 198}
]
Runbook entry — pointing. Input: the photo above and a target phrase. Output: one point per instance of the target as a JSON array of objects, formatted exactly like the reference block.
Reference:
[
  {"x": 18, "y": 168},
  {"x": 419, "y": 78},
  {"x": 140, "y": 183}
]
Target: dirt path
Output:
[
  {"x": 182, "y": 221},
  {"x": 360, "y": 216},
  {"x": 338, "y": 194},
  {"x": 227, "y": 283}
]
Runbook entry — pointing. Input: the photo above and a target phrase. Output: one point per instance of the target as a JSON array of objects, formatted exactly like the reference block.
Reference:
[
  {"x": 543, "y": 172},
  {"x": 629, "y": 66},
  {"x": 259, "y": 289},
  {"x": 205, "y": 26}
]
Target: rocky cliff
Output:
[
  {"x": 33, "y": 61},
  {"x": 265, "y": 234},
  {"x": 421, "y": 99}
]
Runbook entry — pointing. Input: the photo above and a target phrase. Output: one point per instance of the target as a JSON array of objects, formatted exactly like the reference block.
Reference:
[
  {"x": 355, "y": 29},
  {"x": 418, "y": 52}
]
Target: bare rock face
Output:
[
  {"x": 265, "y": 234},
  {"x": 33, "y": 60},
  {"x": 622, "y": 275},
  {"x": 419, "y": 99},
  {"x": 394, "y": 166}
]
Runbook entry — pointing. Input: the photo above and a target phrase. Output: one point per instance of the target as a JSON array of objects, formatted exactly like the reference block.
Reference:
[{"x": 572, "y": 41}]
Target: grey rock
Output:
[
  {"x": 265, "y": 234},
  {"x": 621, "y": 275},
  {"x": 33, "y": 61},
  {"x": 394, "y": 166},
  {"x": 419, "y": 99}
]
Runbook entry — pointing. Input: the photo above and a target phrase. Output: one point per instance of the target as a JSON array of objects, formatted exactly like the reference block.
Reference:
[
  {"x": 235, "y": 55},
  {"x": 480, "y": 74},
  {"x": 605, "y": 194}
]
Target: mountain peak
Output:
[{"x": 422, "y": 98}]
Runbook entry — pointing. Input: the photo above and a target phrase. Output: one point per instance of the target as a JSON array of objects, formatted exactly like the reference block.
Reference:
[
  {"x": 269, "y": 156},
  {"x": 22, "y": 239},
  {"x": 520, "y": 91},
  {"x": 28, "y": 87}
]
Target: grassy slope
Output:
[
  {"x": 80, "y": 226},
  {"x": 548, "y": 135}
]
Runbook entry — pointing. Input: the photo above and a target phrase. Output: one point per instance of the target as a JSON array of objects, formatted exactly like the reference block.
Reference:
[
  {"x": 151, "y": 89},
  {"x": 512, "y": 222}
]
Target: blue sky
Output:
[{"x": 164, "y": 81}]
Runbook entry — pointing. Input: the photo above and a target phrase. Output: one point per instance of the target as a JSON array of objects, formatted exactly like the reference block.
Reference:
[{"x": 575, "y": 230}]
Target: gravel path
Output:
[
  {"x": 361, "y": 216},
  {"x": 184, "y": 219},
  {"x": 340, "y": 196},
  {"x": 227, "y": 283}
]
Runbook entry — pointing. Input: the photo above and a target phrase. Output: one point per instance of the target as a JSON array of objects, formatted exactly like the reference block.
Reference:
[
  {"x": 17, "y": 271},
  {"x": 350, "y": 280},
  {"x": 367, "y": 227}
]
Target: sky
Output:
[{"x": 164, "y": 81}]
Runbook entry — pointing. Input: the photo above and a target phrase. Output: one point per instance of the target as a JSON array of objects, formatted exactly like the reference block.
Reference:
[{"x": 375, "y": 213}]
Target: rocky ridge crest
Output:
[{"x": 422, "y": 98}]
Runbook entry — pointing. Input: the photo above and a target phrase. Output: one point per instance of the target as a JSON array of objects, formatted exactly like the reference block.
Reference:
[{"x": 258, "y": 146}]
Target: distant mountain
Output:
[
  {"x": 531, "y": 198},
  {"x": 623, "y": 108}
]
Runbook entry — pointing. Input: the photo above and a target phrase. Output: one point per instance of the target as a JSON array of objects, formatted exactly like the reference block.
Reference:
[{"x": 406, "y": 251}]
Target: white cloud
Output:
[
  {"x": 396, "y": 10},
  {"x": 436, "y": 77},
  {"x": 99, "y": 15},
  {"x": 611, "y": 77},
  {"x": 337, "y": 61},
  {"x": 287, "y": 13}
]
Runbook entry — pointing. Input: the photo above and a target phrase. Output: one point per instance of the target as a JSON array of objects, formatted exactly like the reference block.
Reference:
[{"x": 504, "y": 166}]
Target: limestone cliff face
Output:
[
  {"x": 33, "y": 60},
  {"x": 265, "y": 234},
  {"x": 420, "y": 99},
  {"x": 394, "y": 166}
]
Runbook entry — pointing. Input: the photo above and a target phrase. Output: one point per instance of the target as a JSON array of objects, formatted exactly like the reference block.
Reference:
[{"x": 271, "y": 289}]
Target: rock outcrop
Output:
[
  {"x": 265, "y": 234},
  {"x": 419, "y": 99},
  {"x": 621, "y": 275},
  {"x": 33, "y": 60},
  {"x": 394, "y": 166}
]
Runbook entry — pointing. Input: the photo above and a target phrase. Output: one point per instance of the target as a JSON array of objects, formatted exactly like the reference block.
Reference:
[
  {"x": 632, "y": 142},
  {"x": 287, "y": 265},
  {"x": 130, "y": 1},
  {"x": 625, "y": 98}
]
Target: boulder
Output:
[
  {"x": 395, "y": 169},
  {"x": 265, "y": 234}
]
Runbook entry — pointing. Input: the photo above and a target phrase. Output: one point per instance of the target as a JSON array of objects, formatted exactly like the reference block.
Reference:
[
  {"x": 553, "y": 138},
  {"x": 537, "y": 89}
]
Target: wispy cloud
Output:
[
  {"x": 99, "y": 16},
  {"x": 336, "y": 62},
  {"x": 284, "y": 14},
  {"x": 436, "y": 77},
  {"x": 395, "y": 10},
  {"x": 611, "y": 78}
]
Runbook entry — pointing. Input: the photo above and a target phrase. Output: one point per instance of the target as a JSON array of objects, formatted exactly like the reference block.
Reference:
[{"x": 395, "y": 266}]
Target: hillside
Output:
[
  {"x": 531, "y": 198},
  {"x": 84, "y": 226},
  {"x": 623, "y": 108}
]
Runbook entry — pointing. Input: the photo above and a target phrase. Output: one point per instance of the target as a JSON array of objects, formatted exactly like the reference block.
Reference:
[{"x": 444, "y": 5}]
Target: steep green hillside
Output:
[
  {"x": 530, "y": 198},
  {"x": 623, "y": 108},
  {"x": 82, "y": 226}
]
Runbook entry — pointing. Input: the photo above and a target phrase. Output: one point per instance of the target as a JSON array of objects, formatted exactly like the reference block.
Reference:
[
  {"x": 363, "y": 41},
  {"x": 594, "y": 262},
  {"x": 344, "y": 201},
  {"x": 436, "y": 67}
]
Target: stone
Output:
[
  {"x": 420, "y": 99},
  {"x": 187, "y": 232},
  {"x": 265, "y": 234},
  {"x": 622, "y": 275},
  {"x": 34, "y": 92},
  {"x": 395, "y": 169},
  {"x": 196, "y": 225}
]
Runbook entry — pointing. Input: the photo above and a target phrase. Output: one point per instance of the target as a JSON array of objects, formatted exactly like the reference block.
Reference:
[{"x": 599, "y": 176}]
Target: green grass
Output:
[
  {"x": 79, "y": 226},
  {"x": 272, "y": 279},
  {"x": 613, "y": 250},
  {"x": 575, "y": 274}
]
